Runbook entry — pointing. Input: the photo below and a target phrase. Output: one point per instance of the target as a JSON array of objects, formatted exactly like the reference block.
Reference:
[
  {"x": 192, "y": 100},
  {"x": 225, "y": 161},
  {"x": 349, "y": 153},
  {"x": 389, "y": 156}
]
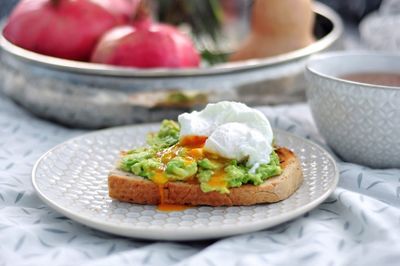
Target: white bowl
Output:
[{"x": 360, "y": 122}]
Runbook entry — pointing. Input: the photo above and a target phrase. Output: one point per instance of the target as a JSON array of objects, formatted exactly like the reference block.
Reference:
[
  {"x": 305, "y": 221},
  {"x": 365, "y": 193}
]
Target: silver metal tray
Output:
[{"x": 93, "y": 95}]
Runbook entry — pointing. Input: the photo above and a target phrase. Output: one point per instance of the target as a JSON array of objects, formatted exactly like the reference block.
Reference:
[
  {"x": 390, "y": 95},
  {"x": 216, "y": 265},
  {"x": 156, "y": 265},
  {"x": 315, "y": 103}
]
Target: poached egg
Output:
[{"x": 233, "y": 131}]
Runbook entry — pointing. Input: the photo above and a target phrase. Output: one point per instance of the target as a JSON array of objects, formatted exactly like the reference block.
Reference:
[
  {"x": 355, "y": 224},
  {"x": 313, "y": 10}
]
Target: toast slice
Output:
[{"x": 128, "y": 187}]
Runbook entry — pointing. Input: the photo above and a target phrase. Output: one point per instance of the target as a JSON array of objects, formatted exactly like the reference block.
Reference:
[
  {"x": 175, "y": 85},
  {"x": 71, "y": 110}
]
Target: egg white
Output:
[{"x": 234, "y": 131}]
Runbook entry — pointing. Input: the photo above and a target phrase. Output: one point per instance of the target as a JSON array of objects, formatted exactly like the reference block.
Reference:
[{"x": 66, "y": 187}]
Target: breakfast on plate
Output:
[
  {"x": 223, "y": 155},
  {"x": 124, "y": 32}
]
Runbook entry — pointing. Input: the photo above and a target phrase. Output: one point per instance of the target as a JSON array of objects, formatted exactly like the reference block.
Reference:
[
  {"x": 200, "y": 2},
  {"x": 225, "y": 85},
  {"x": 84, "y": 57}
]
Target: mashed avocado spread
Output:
[{"x": 168, "y": 159}]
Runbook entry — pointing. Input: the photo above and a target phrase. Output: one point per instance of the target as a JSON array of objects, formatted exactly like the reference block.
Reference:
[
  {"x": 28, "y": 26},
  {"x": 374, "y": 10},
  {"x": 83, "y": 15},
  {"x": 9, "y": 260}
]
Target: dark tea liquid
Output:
[{"x": 385, "y": 79}]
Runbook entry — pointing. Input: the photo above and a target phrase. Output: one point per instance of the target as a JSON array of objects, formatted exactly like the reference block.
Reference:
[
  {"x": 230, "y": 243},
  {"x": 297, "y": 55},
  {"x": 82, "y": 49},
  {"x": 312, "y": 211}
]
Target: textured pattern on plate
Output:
[{"x": 72, "y": 178}]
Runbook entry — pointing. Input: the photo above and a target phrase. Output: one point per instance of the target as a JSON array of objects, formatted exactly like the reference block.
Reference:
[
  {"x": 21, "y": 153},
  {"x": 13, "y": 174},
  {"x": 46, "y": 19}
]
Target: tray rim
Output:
[{"x": 77, "y": 67}]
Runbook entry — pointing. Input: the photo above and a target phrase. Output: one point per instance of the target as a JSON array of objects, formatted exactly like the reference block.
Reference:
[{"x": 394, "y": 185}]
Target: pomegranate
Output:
[
  {"x": 66, "y": 29},
  {"x": 146, "y": 44}
]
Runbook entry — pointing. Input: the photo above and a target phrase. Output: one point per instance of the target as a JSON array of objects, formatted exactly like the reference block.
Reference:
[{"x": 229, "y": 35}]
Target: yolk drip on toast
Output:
[
  {"x": 218, "y": 179},
  {"x": 192, "y": 147}
]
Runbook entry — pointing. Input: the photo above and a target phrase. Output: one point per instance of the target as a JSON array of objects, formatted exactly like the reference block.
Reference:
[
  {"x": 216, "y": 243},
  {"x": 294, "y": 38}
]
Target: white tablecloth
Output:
[{"x": 358, "y": 225}]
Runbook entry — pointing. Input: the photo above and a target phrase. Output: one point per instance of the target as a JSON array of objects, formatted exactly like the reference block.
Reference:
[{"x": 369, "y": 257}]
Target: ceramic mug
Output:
[{"x": 360, "y": 122}]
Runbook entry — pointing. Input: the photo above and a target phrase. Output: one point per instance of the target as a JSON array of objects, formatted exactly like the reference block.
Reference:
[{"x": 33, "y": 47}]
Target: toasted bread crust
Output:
[{"x": 130, "y": 188}]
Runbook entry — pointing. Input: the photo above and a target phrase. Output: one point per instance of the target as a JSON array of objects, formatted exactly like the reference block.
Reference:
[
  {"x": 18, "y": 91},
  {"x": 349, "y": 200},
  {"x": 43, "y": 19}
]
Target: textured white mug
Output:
[{"x": 360, "y": 122}]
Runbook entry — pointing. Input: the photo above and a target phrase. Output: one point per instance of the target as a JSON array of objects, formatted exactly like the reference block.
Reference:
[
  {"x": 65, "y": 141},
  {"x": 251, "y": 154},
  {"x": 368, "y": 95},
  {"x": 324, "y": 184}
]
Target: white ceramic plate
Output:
[{"x": 72, "y": 179}]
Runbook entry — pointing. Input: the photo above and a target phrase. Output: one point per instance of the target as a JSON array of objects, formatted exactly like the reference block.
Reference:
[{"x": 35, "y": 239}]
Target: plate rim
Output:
[{"x": 182, "y": 234}]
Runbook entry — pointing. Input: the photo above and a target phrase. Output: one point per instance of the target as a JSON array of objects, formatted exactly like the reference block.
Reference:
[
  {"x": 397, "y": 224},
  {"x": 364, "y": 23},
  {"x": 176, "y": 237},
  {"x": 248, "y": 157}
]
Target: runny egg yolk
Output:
[
  {"x": 169, "y": 153},
  {"x": 192, "y": 148},
  {"x": 193, "y": 141},
  {"x": 159, "y": 178},
  {"x": 196, "y": 153},
  {"x": 218, "y": 179}
]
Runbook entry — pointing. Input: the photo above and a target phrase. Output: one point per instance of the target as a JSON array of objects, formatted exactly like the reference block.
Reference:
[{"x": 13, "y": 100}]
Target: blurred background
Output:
[
  {"x": 95, "y": 95},
  {"x": 351, "y": 11}
]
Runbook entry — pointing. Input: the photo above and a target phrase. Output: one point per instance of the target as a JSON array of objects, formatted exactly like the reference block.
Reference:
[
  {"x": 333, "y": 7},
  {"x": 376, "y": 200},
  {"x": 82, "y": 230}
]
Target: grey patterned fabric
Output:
[
  {"x": 358, "y": 225},
  {"x": 6, "y": 6}
]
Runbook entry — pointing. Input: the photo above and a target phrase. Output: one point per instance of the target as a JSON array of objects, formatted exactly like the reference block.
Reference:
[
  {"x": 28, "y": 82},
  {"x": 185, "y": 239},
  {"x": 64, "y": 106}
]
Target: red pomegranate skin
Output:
[
  {"x": 67, "y": 29},
  {"x": 146, "y": 45}
]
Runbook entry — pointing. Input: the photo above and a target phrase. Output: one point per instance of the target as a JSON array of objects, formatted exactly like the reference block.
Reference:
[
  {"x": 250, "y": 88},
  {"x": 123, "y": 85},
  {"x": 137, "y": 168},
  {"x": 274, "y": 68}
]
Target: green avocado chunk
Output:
[
  {"x": 146, "y": 161},
  {"x": 135, "y": 156},
  {"x": 204, "y": 175},
  {"x": 208, "y": 165},
  {"x": 179, "y": 169},
  {"x": 238, "y": 174},
  {"x": 167, "y": 136},
  {"x": 146, "y": 168}
]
